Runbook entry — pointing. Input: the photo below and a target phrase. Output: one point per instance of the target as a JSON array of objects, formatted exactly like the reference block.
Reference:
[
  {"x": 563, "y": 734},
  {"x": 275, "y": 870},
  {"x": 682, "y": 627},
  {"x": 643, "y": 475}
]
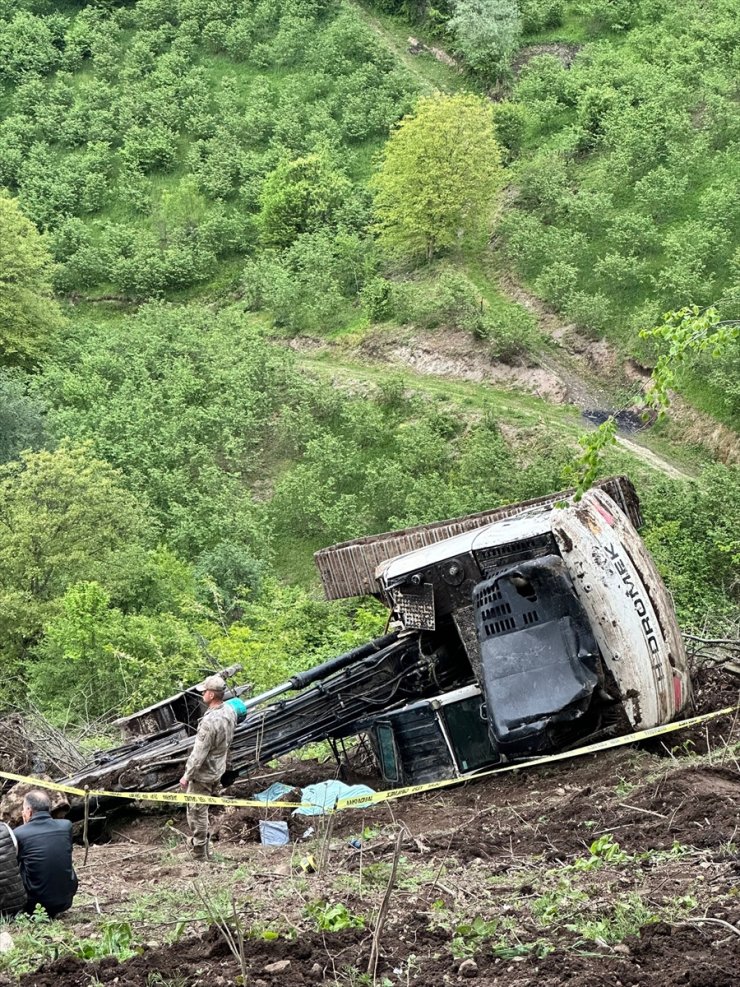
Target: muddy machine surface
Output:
[{"x": 526, "y": 630}]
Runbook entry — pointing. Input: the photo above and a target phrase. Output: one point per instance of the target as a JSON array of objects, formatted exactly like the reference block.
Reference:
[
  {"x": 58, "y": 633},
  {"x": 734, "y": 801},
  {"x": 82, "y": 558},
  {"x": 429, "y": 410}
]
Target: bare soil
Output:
[{"x": 497, "y": 882}]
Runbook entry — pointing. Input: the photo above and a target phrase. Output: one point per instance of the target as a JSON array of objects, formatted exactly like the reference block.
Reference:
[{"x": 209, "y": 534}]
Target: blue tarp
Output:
[
  {"x": 322, "y": 797},
  {"x": 274, "y": 793}
]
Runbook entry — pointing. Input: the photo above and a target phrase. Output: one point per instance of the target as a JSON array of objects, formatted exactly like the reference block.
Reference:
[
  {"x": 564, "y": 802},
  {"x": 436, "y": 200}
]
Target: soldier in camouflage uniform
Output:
[{"x": 207, "y": 761}]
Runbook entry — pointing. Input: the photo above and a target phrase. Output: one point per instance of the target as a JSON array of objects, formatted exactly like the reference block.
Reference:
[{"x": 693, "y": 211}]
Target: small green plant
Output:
[
  {"x": 558, "y": 903},
  {"x": 676, "y": 851},
  {"x": 624, "y": 787},
  {"x": 469, "y": 936},
  {"x": 333, "y": 916},
  {"x": 536, "y": 949},
  {"x": 116, "y": 939},
  {"x": 626, "y": 919},
  {"x": 602, "y": 851},
  {"x": 156, "y": 979},
  {"x": 261, "y": 932},
  {"x": 587, "y": 466}
]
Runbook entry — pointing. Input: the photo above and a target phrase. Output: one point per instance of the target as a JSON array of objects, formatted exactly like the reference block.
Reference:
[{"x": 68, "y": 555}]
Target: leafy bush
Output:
[
  {"x": 308, "y": 287},
  {"x": 22, "y": 424},
  {"x": 538, "y": 15},
  {"x": 301, "y": 196},
  {"x": 589, "y": 311},
  {"x": 451, "y": 299},
  {"x": 510, "y": 122},
  {"x": 486, "y": 34},
  {"x": 28, "y": 45}
]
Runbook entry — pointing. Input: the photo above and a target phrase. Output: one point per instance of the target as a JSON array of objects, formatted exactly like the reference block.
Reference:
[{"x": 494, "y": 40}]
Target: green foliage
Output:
[
  {"x": 449, "y": 298},
  {"x": 310, "y": 286},
  {"x": 683, "y": 334},
  {"x": 230, "y": 571},
  {"x": 95, "y": 659},
  {"x": 627, "y": 184},
  {"x": 438, "y": 177},
  {"x": 557, "y": 903},
  {"x": 604, "y": 850},
  {"x": 589, "y": 464},
  {"x": 486, "y": 33},
  {"x": 469, "y": 937},
  {"x": 625, "y": 918},
  {"x": 116, "y": 939},
  {"x": 379, "y": 466},
  {"x": 286, "y": 630},
  {"x": 538, "y": 15},
  {"x": 691, "y": 531},
  {"x": 301, "y": 196},
  {"x": 22, "y": 424},
  {"x": 38, "y": 940},
  {"x": 186, "y": 423},
  {"x": 157, "y": 128},
  {"x": 333, "y": 916},
  {"x": 64, "y": 516},
  {"x": 29, "y": 318}
]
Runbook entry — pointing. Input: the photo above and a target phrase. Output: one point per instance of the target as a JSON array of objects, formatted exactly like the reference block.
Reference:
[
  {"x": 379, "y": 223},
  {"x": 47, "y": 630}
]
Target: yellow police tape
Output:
[
  {"x": 394, "y": 793},
  {"x": 181, "y": 797},
  {"x": 360, "y": 801}
]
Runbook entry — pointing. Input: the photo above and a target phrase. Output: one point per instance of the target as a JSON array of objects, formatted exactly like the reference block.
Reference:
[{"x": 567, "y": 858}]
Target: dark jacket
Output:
[
  {"x": 12, "y": 892},
  {"x": 45, "y": 858}
]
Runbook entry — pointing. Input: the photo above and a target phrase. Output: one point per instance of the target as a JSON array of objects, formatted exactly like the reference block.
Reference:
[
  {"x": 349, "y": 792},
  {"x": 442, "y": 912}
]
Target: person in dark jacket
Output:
[
  {"x": 12, "y": 892},
  {"x": 45, "y": 856}
]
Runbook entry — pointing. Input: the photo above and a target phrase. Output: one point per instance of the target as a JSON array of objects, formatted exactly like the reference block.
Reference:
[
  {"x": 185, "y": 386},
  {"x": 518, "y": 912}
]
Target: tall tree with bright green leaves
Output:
[
  {"x": 438, "y": 178},
  {"x": 29, "y": 316}
]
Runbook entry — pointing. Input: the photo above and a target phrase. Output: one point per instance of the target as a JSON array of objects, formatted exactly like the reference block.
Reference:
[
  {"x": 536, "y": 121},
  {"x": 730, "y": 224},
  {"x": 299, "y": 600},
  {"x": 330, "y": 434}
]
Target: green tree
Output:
[
  {"x": 21, "y": 416},
  {"x": 29, "y": 317},
  {"x": 486, "y": 33},
  {"x": 64, "y": 516},
  {"x": 301, "y": 196},
  {"x": 438, "y": 177},
  {"x": 95, "y": 658}
]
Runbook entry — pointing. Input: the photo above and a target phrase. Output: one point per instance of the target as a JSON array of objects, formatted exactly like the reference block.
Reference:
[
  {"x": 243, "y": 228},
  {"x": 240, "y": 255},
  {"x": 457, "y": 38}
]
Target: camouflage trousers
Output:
[{"x": 198, "y": 814}]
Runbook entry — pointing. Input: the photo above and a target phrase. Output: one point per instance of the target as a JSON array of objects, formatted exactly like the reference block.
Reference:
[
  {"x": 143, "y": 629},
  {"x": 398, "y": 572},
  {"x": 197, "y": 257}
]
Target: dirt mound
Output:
[
  {"x": 661, "y": 956},
  {"x": 209, "y": 960}
]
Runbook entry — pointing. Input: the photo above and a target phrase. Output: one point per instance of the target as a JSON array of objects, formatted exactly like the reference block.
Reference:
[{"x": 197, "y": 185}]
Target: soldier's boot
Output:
[{"x": 199, "y": 851}]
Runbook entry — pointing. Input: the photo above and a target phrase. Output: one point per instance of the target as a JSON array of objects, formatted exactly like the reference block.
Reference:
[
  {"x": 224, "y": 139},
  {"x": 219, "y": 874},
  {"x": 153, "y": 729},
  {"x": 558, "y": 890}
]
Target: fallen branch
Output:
[
  {"x": 710, "y": 921},
  {"x": 637, "y": 808}
]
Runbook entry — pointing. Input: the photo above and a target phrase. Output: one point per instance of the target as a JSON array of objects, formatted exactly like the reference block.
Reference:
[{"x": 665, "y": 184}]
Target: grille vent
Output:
[
  {"x": 524, "y": 549},
  {"x": 496, "y": 615}
]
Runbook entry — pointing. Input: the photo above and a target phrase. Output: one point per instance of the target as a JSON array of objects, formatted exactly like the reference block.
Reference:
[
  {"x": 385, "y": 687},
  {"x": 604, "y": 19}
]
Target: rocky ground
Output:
[{"x": 614, "y": 869}]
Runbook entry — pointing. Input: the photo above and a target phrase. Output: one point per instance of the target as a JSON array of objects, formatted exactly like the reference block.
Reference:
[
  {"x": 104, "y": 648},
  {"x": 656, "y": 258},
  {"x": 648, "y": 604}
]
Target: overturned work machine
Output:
[{"x": 525, "y": 630}]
